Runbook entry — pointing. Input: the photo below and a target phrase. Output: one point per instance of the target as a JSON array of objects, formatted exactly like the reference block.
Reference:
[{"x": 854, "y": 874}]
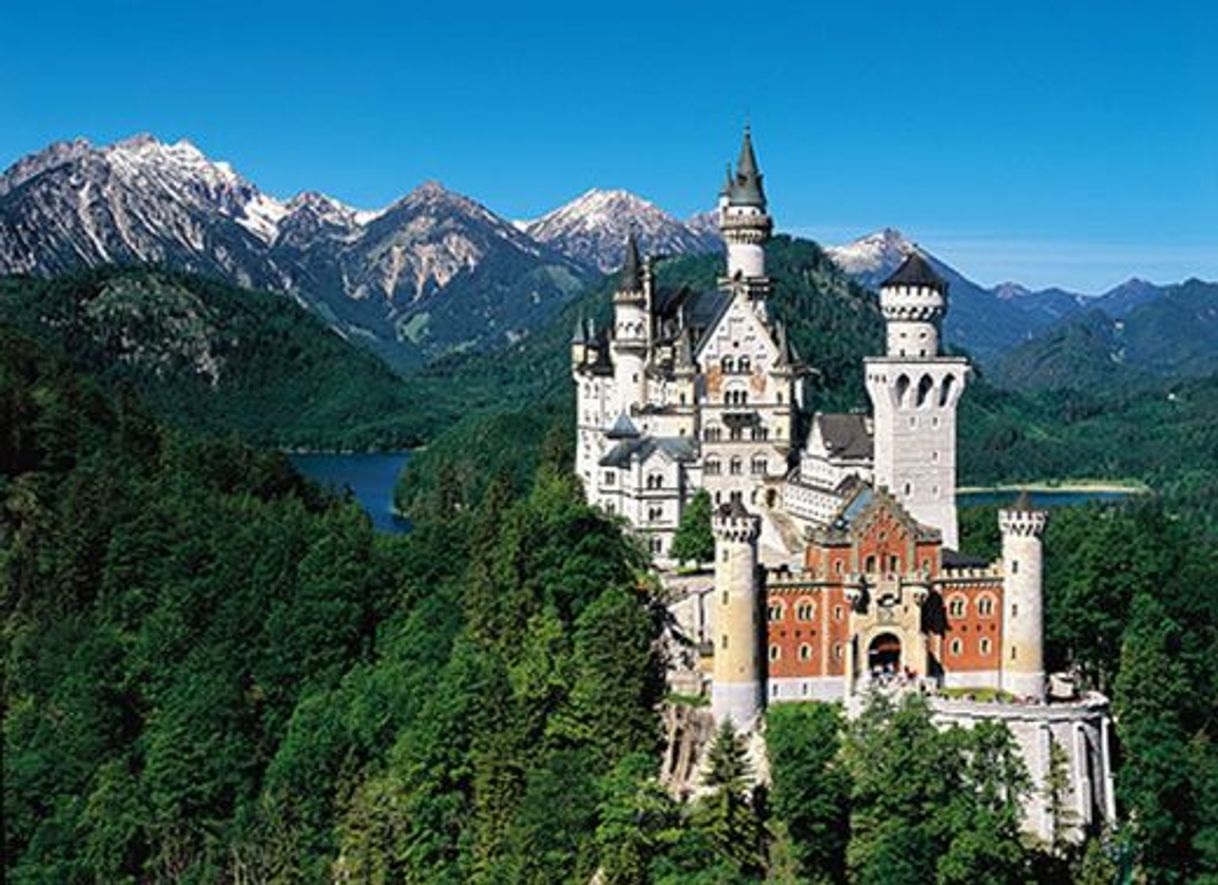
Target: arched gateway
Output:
[{"x": 884, "y": 654}]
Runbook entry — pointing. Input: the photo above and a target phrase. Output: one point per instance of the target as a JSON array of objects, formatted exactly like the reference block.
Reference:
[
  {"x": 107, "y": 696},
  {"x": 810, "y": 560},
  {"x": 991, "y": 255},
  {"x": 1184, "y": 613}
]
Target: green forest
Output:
[{"x": 216, "y": 671}]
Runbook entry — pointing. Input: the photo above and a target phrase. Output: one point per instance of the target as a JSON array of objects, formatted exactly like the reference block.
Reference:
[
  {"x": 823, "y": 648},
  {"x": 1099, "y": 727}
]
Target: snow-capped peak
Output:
[
  {"x": 592, "y": 228},
  {"x": 881, "y": 250}
]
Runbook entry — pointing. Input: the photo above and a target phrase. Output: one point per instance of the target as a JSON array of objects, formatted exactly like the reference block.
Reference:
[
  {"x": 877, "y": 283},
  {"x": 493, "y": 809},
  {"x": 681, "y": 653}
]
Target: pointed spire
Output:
[
  {"x": 580, "y": 335},
  {"x": 727, "y": 182},
  {"x": 1023, "y": 503},
  {"x": 746, "y": 189},
  {"x": 631, "y": 279}
]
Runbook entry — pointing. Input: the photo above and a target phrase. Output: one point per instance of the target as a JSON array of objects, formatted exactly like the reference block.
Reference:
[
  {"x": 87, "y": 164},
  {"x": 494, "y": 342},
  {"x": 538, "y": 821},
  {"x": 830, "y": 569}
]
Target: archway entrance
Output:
[{"x": 884, "y": 655}]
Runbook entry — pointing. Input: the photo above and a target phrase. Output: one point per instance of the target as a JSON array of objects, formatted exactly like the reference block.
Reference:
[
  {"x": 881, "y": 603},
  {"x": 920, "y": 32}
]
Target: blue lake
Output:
[
  {"x": 1053, "y": 498},
  {"x": 370, "y": 477}
]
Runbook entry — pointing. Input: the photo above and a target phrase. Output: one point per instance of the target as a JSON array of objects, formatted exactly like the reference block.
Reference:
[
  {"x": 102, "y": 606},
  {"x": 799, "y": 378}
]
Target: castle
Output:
[{"x": 837, "y": 568}]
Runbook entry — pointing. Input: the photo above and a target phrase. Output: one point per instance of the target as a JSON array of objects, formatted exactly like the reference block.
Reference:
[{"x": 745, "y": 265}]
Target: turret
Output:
[
  {"x": 914, "y": 392},
  {"x": 631, "y": 330},
  {"x": 742, "y": 216},
  {"x": 913, "y": 301},
  {"x": 1023, "y": 668},
  {"x": 738, "y": 678}
]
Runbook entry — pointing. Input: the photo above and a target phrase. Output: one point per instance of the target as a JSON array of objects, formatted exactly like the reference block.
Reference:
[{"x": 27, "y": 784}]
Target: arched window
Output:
[
  {"x": 984, "y": 645},
  {"x": 759, "y": 466},
  {"x": 745, "y": 364},
  {"x": 837, "y": 652},
  {"x": 869, "y": 567},
  {"x": 712, "y": 467},
  {"x": 805, "y": 652},
  {"x": 775, "y": 652},
  {"x": 925, "y": 386},
  {"x": 945, "y": 392},
  {"x": 727, "y": 364},
  {"x": 985, "y": 606},
  {"x": 902, "y": 389},
  {"x": 774, "y": 611},
  {"x": 736, "y": 467},
  {"x": 805, "y": 610},
  {"x": 956, "y": 606},
  {"x": 957, "y": 647},
  {"x": 712, "y": 434}
]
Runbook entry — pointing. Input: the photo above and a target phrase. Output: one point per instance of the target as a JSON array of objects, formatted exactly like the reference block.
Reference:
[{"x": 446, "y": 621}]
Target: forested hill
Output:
[
  {"x": 211, "y": 357},
  {"x": 1174, "y": 335}
]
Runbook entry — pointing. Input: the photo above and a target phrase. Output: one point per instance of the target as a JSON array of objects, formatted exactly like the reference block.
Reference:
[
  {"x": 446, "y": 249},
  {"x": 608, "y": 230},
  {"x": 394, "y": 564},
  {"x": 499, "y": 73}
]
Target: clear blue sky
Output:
[{"x": 1059, "y": 142}]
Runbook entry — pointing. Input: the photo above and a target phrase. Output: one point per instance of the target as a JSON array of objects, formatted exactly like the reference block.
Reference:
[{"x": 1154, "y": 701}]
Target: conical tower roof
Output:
[
  {"x": 631, "y": 277},
  {"x": 746, "y": 189},
  {"x": 916, "y": 271}
]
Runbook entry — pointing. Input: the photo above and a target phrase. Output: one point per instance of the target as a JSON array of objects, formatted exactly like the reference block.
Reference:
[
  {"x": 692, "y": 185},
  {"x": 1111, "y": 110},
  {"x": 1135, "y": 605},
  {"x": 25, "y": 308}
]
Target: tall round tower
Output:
[
  {"x": 1023, "y": 622},
  {"x": 631, "y": 332},
  {"x": 737, "y": 690},
  {"x": 743, "y": 221}
]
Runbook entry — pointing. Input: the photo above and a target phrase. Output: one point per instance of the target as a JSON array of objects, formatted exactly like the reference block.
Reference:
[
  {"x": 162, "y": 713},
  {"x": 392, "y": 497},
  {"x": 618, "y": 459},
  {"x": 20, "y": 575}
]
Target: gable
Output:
[{"x": 738, "y": 332}]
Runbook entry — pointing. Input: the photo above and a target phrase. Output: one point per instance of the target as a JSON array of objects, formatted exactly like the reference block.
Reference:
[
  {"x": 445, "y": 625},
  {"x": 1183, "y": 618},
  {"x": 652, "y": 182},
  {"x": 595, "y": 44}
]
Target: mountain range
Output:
[{"x": 433, "y": 273}]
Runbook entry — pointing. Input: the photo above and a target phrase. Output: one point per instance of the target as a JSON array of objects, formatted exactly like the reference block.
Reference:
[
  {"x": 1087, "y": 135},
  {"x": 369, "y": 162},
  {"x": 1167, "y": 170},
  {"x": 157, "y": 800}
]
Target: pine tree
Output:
[
  {"x": 694, "y": 540},
  {"x": 729, "y": 815}
]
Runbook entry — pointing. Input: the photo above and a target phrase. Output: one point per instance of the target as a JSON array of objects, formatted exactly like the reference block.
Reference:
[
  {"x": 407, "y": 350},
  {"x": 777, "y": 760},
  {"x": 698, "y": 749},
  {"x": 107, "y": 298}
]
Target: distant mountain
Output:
[
  {"x": 1174, "y": 333},
  {"x": 988, "y": 322},
  {"x": 211, "y": 357},
  {"x": 433, "y": 272},
  {"x": 592, "y": 229}
]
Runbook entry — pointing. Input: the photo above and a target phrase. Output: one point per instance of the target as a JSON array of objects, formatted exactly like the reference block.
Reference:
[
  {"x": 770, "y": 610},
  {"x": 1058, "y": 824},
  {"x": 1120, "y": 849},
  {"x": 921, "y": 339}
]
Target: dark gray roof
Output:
[
  {"x": 845, "y": 434},
  {"x": 916, "y": 271},
  {"x": 623, "y": 428},
  {"x": 580, "y": 335},
  {"x": 631, "y": 278},
  {"x": 955, "y": 559},
  {"x": 678, "y": 448},
  {"x": 746, "y": 189}
]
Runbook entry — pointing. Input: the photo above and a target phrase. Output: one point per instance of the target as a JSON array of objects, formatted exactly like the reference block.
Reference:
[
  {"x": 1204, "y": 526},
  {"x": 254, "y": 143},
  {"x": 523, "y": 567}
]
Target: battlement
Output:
[
  {"x": 1023, "y": 522},
  {"x": 732, "y": 522}
]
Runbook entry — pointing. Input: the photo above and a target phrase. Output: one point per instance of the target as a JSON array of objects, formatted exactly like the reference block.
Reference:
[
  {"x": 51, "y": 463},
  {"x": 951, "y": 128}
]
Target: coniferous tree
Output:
[{"x": 694, "y": 540}]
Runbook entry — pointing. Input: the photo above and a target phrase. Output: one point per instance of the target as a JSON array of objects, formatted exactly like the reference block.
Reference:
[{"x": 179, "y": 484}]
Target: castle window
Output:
[
  {"x": 780, "y": 397},
  {"x": 925, "y": 385},
  {"x": 934, "y": 422},
  {"x": 870, "y": 565},
  {"x": 610, "y": 476},
  {"x": 736, "y": 433},
  {"x": 655, "y": 514},
  {"x": 774, "y": 611},
  {"x": 727, "y": 364},
  {"x": 837, "y": 652},
  {"x": 775, "y": 652},
  {"x": 745, "y": 364},
  {"x": 934, "y": 456},
  {"x": 946, "y": 392},
  {"x": 985, "y": 606},
  {"x": 1014, "y": 566},
  {"x": 805, "y": 610},
  {"x": 805, "y": 652},
  {"x": 711, "y": 434},
  {"x": 712, "y": 468},
  {"x": 956, "y": 606},
  {"x": 908, "y": 489},
  {"x": 913, "y": 420},
  {"x": 759, "y": 466},
  {"x": 1012, "y": 652},
  {"x": 837, "y": 613},
  {"x": 723, "y": 641},
  {"x": 735, "y": 467},
  {"x": 838, "y": 569},
  {"x": 1014, "y": 610},
  {"x": 957, "y": 647},
  {"x": 984, "y": 646},
  {"x": 893, "y": 563}
]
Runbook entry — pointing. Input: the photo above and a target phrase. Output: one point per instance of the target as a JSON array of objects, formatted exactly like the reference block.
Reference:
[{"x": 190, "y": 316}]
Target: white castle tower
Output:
[
  {"x": 744, "y": 224},
  {"x": 631, "y": 331},
  {"x": 913, "y": 393},
  {"x": 1023, "y": 622},
  {"x": 737, "y": 689}
]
